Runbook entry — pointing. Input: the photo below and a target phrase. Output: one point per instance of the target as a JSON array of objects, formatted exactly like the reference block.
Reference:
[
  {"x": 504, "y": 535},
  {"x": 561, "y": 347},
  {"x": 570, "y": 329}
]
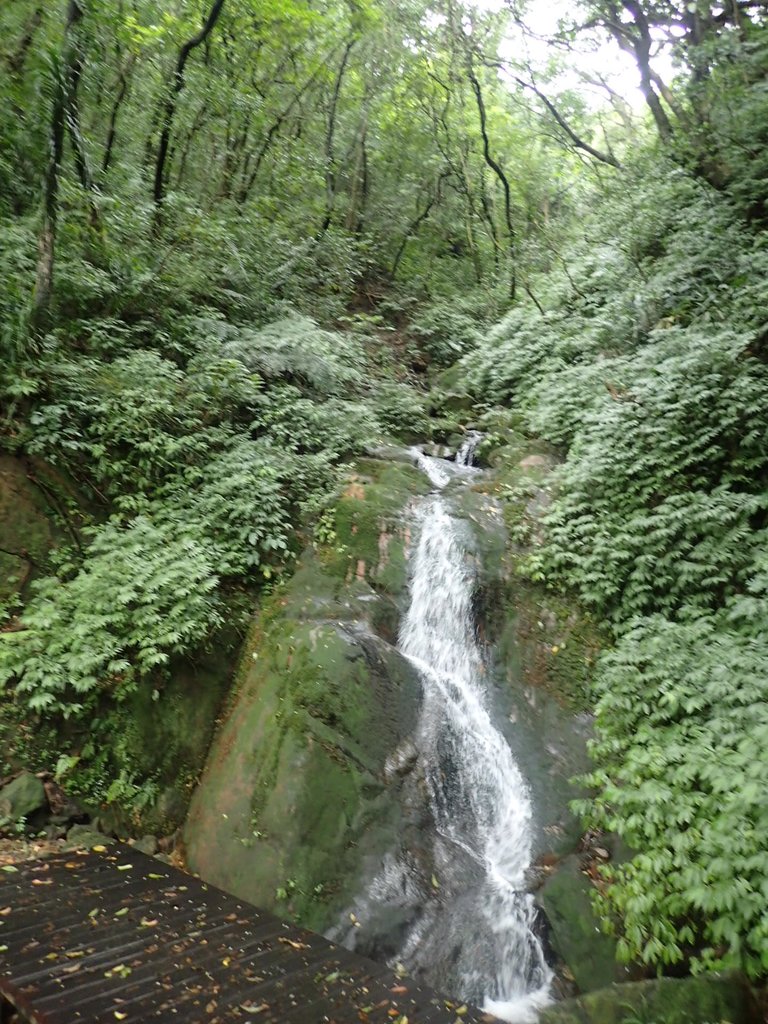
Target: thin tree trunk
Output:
[
  {"x": 81, "y": 164},
  {"x": 486, "y": 212},
  {"x": 579, "y": 143},
  {"x": 46, "y": 243},
  {"x": 359, "y": 179},
  {"x": 169, "y": 109},
  {"x": 122, "y": 92},
  {"x": 248, "y": 182},
  {"x": 499, "y": 172},
  {"x": 195, "y": 127},
  {"x": 72, "y": 115},
  {"x": 639, "y": 45},
  {"x": 330, "y": 159},
  {"x": 532, "y": 297},
  {"x": 15, "y": 61},
  {"x": 416, "y": 223}
]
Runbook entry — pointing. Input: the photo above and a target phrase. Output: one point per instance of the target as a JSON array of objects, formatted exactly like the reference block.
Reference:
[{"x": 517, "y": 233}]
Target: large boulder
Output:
[
  {"x": 542, "y": 643},
  {"x": 295, "y": 795},
  {"x": 86, "y": 837},
  {"x": 703, "y": 1000},
  {"x": 22, "y": 798}
]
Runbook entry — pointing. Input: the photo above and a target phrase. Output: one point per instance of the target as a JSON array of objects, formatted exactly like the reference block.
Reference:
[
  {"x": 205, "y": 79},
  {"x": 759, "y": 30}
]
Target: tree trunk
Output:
[
  {"x": 15, "y": 61},
  {"x": 122, "y": 92},
  {"x": 72, "y": 117},
  {"x": 330, "y": 159},
  {"x": 63, "y": 71},
  {"x": 639, "y": 45},
  {"x": 604, "y": 157},
  {"x": 499, "y": 172},
  {"x": 169, "y": 109},
  {"x": 248, "y": 175},
  {"x": 358, "y": 192},
  {"x": 416, "y": 223},
  {"x": 195, "y": 127}
]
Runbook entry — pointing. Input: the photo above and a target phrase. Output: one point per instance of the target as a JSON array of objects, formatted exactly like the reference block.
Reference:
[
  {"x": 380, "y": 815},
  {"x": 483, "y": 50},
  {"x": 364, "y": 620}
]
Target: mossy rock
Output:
[
  {"x": 143, "y": 755},
  {"x": 22, "y": 798},
  {"x": 544, "y": 647},
  {"x": 293, "y": 782},
  {"x": 547, "y": 641},
  {"x": 371, "y": 532},
  {"x": 449, "y": 397},
  {"x": 26, "y": 530},
  {"x": 294, "y": 796},
  {"x": 704, "y": 1000},
  {"x": 575, "y": 933},
  {"x": 454, "y": 404},
  {"x": 39, "y": 508},
  {"x": 85, "y": 837},
  {"x": 446, "y": 430},
  {"x": 169, "y": 737}
]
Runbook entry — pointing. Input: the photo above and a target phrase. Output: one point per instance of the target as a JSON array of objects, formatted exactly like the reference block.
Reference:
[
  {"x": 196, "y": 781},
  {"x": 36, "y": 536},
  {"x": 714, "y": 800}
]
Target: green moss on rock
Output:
[
  {"x": 368, "y": 522},
  {"x": 544, "y": 639},
  {"x": 575, "y": 932},
  {"x": 26, "y": 531},
  {"x": 704, "y": 1000},
  {"x": 21, "y": 798},
  {"x": 292, "y": 796},
  {"x": 170, "y": 736}
]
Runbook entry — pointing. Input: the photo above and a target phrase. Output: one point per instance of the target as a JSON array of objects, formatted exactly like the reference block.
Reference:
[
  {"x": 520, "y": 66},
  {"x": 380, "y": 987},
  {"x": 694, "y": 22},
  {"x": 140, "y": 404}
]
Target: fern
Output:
[{"x": 648, "y": 371}]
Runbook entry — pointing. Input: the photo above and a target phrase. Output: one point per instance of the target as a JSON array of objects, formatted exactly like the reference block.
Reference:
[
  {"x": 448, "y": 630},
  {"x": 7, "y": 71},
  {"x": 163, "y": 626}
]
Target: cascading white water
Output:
[
  {"x": 465, "y": 456},
  {"x": 474, "y": 934}
]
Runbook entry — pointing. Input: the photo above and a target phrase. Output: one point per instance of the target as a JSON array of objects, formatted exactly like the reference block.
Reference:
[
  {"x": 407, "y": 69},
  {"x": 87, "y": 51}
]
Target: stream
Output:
[{"x": 449, "y": 904}]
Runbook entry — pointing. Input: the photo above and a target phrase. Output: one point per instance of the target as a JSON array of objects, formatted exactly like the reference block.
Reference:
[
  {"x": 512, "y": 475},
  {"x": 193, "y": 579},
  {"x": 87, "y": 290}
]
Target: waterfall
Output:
[
  {"x": 473, "y": 933},
  {"x": 465, "y": 456}
]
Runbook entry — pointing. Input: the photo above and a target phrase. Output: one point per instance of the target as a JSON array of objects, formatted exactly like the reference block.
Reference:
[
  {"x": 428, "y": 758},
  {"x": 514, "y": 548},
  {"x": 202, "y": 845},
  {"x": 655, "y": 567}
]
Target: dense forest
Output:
[{"x": 243, "y": 241}]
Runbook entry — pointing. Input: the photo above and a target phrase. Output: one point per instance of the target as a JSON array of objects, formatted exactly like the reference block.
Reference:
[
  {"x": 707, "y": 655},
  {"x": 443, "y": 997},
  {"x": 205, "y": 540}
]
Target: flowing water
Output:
[
  {"x": 465, "y": 456},
  {"x": 466, "y": 923}
]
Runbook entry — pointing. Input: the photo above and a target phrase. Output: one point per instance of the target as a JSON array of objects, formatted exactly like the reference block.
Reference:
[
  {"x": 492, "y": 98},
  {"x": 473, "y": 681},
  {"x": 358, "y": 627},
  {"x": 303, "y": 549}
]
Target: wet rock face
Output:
[
  {"x": 542, "y": 648},
  {"x": 296, "y": 793},
  {"x": 26, "y": 533},
  {"x": 663, "y": 1001},
  {"x": 295, "y": 780},
  {"x": 312, "y": 779},
  {"x": 574, "y": 930}
]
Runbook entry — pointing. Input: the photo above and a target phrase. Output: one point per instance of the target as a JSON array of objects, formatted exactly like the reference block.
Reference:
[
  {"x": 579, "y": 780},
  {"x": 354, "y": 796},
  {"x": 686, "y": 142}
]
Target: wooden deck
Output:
[{"x": 112, "y": 935}]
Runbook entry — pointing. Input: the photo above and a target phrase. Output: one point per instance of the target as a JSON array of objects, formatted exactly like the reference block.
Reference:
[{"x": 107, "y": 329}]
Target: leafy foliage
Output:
[
  {"x": 185, "y": 376},
  {"x": 445, "y": 330},
  {"x": 683, "y": 727},
  {"x": 401, "y": 411},
  {"x": 648, "y": 371},
  {"x": 297, "y": 349},
  {"x": 144, "y": 591},
  {"x": 203, "y": 468}
]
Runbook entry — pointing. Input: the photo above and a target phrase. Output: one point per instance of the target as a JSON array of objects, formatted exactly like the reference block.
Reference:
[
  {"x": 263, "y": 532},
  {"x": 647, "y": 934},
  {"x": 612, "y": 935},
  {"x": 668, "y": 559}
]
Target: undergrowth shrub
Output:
[
  {"x": 401, "y": 410},
  {"x": 647, "y": 369},
  {"x": 145, "y": 589},
  {"x": 200, "y": 469},
  {"x": 443, "y": 331},
  {"x": 682, "y": 728}
]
